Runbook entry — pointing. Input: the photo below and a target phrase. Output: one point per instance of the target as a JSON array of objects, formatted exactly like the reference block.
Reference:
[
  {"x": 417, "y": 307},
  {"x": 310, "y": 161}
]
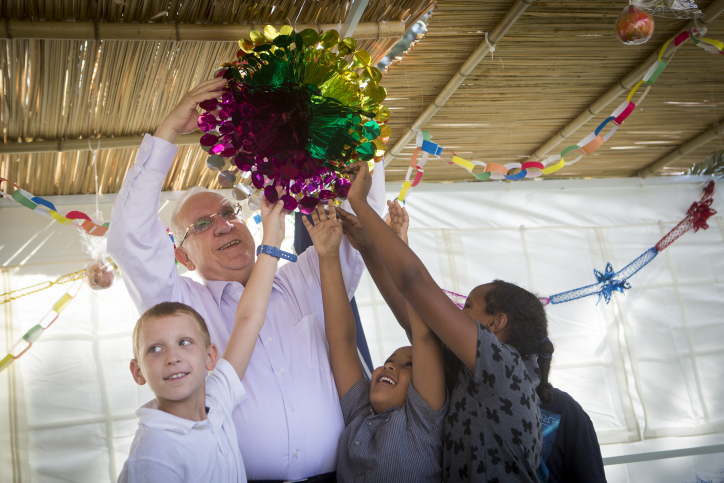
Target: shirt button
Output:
[
  {"x": 292, "y": 407},
  {"x": 281, "y": 371},
  {"x": 369, "y": 423},
  {"x": 155, "y": 152},
  {"x": 359, "y": 473},
  {"x": 269, "y": 340},
  {"x": 145, "y": 148},
  {"x": 296, "y": 454},
  {"x": 356, "y": 443}
]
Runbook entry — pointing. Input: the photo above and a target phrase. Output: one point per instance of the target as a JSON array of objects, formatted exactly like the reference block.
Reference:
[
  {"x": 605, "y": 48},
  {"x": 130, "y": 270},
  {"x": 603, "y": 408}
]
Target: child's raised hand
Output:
[
  {"x": 398, "y": 220},
  {"x": 326, "y": 233},
  {"x": 353, "y": 230},
  {"x": 272, "y": 222},
  {"x": 361, "y": 182}
]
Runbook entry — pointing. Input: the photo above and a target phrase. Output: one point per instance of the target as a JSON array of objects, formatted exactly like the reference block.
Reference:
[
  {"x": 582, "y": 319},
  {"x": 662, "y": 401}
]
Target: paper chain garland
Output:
[
  {"x": 31, "y": 336},
  {"x": 534, "y": 169},
  {"x": 609, "y": 281},
  {"x": 48, "y": 209}
]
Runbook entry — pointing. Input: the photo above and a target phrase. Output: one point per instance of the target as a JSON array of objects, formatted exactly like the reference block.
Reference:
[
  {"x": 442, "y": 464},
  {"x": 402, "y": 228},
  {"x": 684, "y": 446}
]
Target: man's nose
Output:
[{"x": 222, "y": 226}]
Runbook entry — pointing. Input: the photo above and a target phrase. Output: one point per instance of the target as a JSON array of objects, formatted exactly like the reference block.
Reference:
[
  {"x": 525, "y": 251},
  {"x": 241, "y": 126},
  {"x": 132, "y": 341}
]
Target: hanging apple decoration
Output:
[{"x": 634, "y": 26}]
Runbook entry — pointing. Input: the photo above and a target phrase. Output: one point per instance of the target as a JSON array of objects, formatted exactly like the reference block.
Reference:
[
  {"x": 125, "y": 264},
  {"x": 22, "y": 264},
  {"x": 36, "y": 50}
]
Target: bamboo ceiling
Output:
[
  {"x": 53, "y": 89},
  {"x": 553, "y": 63}
]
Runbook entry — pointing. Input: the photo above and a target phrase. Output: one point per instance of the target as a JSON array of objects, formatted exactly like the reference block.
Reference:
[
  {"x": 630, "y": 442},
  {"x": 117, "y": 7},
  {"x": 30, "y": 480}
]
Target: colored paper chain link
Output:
[
  {"x": 35, "y": 332},
  {"x": 587, "y": 145},
  {"x": 44, "y": 207}
]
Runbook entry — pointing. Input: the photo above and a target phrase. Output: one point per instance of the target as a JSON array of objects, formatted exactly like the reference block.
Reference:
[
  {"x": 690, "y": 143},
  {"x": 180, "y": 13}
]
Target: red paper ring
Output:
[{"x": 532, "y": 164}]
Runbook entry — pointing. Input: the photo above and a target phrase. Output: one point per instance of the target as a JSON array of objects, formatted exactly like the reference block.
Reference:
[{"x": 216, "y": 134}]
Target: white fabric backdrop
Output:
[{"x": 646, "y": 367}]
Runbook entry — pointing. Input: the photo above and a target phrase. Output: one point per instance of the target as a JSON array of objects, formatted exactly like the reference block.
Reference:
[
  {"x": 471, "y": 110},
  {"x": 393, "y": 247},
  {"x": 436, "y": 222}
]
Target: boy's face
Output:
[
  {"x": 173, "y": 359},
  {"x": 388, "y": 387}
]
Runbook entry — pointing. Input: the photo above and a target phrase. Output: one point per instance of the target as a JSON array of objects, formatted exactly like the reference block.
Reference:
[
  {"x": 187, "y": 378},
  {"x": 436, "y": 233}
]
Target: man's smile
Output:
[{"x": 231, "y": 243}]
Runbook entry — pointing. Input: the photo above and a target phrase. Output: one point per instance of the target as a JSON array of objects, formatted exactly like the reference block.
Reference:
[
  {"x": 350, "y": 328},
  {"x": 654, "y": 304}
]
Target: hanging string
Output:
[{"x": 95, "y": 170}]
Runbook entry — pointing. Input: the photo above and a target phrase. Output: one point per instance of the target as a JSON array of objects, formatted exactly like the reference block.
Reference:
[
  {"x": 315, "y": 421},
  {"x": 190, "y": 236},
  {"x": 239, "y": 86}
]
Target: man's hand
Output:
[
  {"x": 398, "y": 221},
  {"x": 361, "y": 183},
  {"x": 326, "y": 233},
  {"x": 185, "y": 118},
  {"x": 353, "y": 230},
  {"x": 272, "y": 222}
]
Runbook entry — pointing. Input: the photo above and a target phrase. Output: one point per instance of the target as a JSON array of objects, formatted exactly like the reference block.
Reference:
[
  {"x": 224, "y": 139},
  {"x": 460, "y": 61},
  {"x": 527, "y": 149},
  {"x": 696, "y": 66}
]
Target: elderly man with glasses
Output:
[{"x": 290, "y": 423}]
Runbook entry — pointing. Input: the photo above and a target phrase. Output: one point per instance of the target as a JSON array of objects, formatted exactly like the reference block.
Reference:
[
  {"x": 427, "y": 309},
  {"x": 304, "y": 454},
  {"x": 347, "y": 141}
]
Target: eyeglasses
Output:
[{"x": 206, "y": 222}]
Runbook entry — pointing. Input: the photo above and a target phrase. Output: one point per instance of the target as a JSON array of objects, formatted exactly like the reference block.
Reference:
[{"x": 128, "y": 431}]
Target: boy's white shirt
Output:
[{"x": 172, "y": 449}]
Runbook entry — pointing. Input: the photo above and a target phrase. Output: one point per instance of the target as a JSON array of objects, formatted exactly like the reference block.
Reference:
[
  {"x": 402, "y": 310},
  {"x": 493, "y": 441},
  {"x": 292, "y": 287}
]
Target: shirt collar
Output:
[
  {"x": 216, "y": 287},
  {"x": 150, "y": 416}
]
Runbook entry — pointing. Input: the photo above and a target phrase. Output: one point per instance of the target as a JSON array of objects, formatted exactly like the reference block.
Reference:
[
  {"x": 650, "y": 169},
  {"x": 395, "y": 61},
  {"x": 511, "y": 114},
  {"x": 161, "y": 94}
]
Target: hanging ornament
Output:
[
  {"x": 298, "y": 108},
  {"x": 99, "y": 274},
  {"x": 634, "y": 26}
]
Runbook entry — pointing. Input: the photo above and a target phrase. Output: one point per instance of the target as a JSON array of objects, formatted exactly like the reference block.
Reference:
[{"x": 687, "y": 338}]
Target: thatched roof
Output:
[
  {"x": 71, "y": 89},
  {"x": 556, "y": 60}
]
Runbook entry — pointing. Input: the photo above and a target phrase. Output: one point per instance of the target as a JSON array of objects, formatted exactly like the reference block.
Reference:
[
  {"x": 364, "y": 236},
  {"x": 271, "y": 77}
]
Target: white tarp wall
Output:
[{"x": 647, "y": 367}]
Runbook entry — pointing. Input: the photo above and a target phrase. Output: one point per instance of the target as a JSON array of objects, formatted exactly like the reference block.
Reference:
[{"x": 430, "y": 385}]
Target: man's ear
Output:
[
  {"x": 184, "y": 259},
  {"x": 212, "y": 357},
  {"x": 136, "y": 372}
]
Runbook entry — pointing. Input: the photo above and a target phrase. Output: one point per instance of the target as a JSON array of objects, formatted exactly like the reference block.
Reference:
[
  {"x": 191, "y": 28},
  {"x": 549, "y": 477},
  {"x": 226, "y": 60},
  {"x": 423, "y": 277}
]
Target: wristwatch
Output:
[{"x": 275, "y": 252}]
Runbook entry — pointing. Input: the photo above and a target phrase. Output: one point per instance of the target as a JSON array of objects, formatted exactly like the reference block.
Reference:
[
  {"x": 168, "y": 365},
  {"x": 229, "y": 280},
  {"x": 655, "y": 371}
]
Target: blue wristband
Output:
[{"x": 275, "y": 252}]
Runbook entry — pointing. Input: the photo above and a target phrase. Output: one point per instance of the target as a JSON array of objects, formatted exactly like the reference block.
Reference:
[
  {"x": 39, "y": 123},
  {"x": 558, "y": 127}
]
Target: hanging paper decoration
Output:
[
  {"x": 295, "y": 113},
  {"x": 634, "y": 26},
  {"x": 609, "y": 281},
  {"x": 587, "y": 145},
  {"x": 44, "y": 207},
  {"x": 25, "y": 342}
]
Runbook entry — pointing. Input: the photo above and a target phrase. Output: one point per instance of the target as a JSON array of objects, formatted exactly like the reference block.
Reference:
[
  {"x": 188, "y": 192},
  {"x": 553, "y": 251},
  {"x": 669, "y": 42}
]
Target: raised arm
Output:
[
  {"x": 428, "y": 372},
  {"x": 251, "y": 312},
  {"x": 456, "y": 329},
  {"x": 339, "y": 322},
  {"x": 137, "y": 240},
  {"x": 359, "y": 240}
]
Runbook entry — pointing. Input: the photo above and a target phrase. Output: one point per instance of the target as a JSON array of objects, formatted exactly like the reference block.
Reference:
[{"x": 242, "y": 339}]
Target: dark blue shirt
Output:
[{"x": 571, "y": 453}]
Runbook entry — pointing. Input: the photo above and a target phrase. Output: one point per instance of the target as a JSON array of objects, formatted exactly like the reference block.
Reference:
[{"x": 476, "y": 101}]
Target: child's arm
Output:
[
  {"x": 428, "y": 373},
  {"x": 361, "y": 242},
  {"x": 254, "y": 300},
  {"x": 456, "y": 329},
  {"x": 339, "y": 322}
]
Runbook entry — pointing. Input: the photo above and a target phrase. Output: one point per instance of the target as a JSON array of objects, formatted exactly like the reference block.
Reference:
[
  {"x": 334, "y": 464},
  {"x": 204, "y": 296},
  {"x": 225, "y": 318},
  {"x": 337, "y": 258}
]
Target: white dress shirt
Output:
[
  {"x": 171, "y": 449},
  {"x": 290, "y": 423}
]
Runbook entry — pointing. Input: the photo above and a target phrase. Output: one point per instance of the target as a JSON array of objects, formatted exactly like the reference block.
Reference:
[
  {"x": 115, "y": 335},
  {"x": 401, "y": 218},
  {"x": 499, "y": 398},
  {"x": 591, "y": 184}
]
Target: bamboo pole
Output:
[
  {"x": 622, "y": 86},
  {"x": 70, "y": 145},
  {"x": 712, "y": 133},
  {"x": 20, "y": 29},
  {"x": 483, "y": 49}
]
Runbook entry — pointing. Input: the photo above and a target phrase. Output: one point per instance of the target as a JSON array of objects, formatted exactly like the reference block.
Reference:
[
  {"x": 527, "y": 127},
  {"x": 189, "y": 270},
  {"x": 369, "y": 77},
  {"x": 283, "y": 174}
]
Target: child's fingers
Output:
[
  {"x": 315, "y": 216},
  {"x": 321, "y": 215},
  {"x": 332, "y": 210},
  {"x": 307, "y": 223}
]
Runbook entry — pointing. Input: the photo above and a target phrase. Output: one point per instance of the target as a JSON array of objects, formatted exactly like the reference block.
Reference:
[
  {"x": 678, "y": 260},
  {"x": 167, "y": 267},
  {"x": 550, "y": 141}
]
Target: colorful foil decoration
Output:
[
  {"x": 587, "y": 145},
  {"x": 295, "y": 113}
]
